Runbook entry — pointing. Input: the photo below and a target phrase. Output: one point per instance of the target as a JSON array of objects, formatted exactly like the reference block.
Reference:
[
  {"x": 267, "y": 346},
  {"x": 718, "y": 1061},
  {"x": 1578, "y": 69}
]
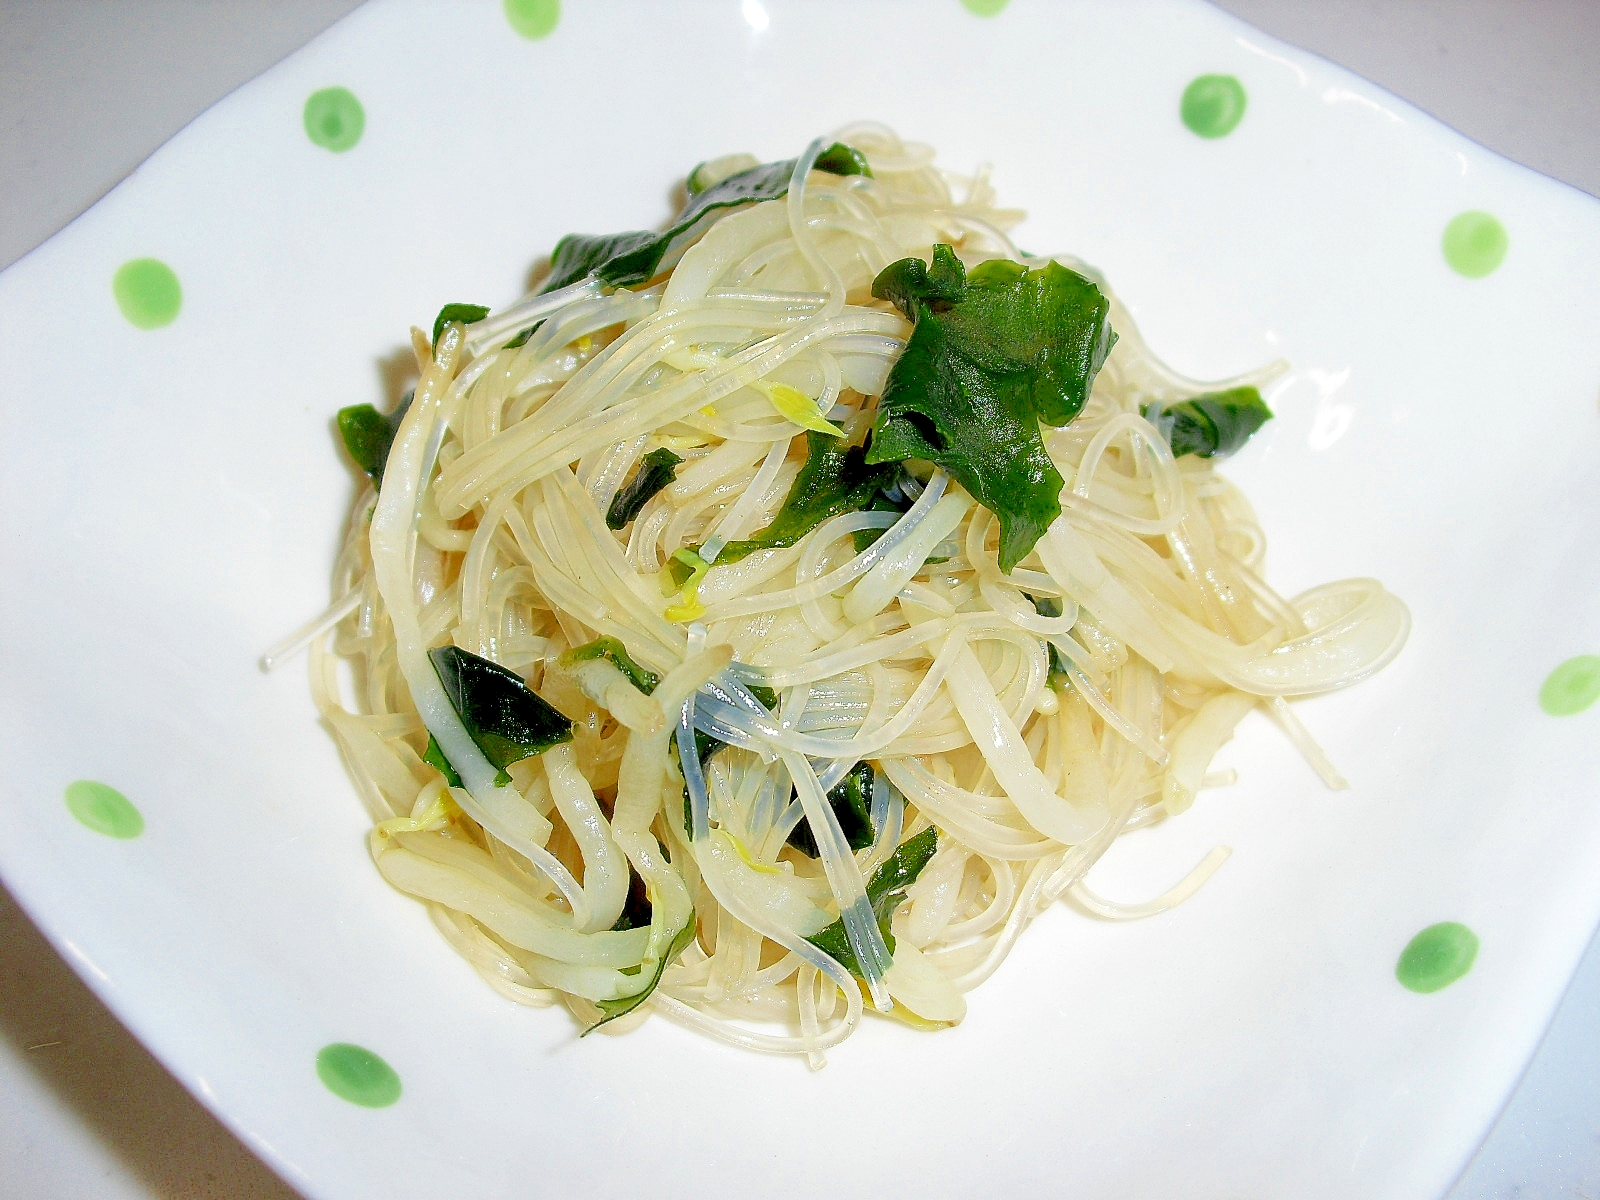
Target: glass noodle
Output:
[{"x": 1031, "y": 716}]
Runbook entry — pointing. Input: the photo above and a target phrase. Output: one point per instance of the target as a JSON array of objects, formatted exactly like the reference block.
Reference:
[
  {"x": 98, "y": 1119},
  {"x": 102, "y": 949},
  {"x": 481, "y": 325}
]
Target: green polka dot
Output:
[
  {"x": 1475, "y": 244},
  {"x": 334, "y": 118},
  {"x": 1437, "y": 957},
  {"x": 533, "y": 19},
  {"x": 103, "y": 809},
  {"x": 1571, "y": 687},
  {"x": 147, "y": 292},
  {"x": 1213, "y": 105},
  {"x": 356, "y": 1074},
  {"x": 984, "y": 8}
]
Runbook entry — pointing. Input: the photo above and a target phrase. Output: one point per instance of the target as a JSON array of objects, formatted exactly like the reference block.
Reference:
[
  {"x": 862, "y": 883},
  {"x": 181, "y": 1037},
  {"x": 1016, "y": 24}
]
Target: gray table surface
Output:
[{"x": 90, "y": 87}]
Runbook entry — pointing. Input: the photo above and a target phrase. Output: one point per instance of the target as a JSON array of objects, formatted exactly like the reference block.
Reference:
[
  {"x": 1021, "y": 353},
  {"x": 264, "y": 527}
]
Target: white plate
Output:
[{"x": 173, "y": 497}]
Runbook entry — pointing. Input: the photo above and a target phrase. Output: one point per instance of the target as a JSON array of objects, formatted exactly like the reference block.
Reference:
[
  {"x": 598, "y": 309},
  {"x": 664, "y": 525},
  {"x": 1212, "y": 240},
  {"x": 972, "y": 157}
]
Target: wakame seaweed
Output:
[
  {"x": 851, "y": 801},
  {"x": 467, "y": 314},
  {"x": 885, "y": 890},
  {"x": 522, "y": 338},
  {"x": 835, "y": 479},
  {"x": 612, "y": 1009},
  {"x": 507, "y": 719},
  {"x": 656, "y": 471},
  {"x": 614, "y": 652},
  {"x": 434, "y": 757},
  {"x": 993, "y": 352},
  {"x": 1210, "y": 426},
  {"x": 628, "y": 259},
  {"x": 636, "y": 909},
  {"x": 368, "y": 435}
]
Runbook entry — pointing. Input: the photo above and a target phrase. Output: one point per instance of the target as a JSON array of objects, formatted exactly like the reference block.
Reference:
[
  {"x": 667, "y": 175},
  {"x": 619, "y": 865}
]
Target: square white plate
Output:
[{"x": 174, "y": 494}]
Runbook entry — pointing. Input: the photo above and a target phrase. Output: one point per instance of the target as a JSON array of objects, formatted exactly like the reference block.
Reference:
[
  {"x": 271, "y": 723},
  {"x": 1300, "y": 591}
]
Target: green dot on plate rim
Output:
[
  {"x": 1437, "y": 957},
  {"x": 100, "y": 807},
  {"x": 1213, "y": 105},
  {"x": 984, "y": 8},
  {"x": 356, "y": 1074},
  {"x": 533, "y": 19},
  {"x": 148, "y": 292},
  {"x": 1474, "y": 243},
  {"x": 334, "y": 118},
  {"x": 1571, "y": 687}
]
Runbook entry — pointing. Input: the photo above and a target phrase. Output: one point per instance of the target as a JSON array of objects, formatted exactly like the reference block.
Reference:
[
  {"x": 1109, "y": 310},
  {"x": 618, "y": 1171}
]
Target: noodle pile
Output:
[{"x": 1030, "y": 717}]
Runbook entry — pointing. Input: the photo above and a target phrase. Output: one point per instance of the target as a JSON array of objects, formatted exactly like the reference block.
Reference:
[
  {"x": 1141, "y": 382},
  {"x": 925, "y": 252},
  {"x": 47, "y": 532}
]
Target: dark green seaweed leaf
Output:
[
  {"x": 885, "y": 890},
  {"x": 700, "y": 177},
  {"x": 369, "y": 434},
  {"x": 621, "y": 1008},
  {"x": 507, "y": 719},
  {"x": 839, "y": 159},
  {"x": 835, "y": 479},
  {"x": 882, "y": 502},
  {"x": 522, "y": 338},
  {"x": 465, "y": 313},
  {"x": 851, "y": 801},
  {"x": 1210, "y": 426},
  {"x": 636, "y": 909},
  {"x": 994, "y": 351},
  {"x": 656, "y": 470},
  {"x": 627, "y": 259},
  {"x": 619, "y": 259},
  {"x": 434, "y": 757},
  {"x": 615, "y": 653},
  {"x": 706, "y": 745}
]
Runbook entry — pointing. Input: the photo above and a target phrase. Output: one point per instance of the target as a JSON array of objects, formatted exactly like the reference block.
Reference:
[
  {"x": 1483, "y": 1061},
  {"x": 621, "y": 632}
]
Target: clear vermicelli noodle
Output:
[{"x": 675, "y": 687}]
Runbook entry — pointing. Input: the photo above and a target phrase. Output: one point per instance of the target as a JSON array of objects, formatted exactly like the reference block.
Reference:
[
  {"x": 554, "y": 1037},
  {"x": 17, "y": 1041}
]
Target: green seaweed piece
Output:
[
  {"x": 434, "y": 757},
  {"x": 634, "y": 257},
  {"x": 522, "y": 338},
  {"x": 993, "y": 352},
  {"x": 368, "y": 435},
  {"x": 626, "y": 1004},
  {"x": 614, "y": 652},
  {"x": 835, "y": 479},
  {"x": 467, "y": 314},
  {"x": 506, "y": 718},
  {"x": 885, "y": 891},
  {"x": 656, "y": 470},
  {"x": 1211, "y": 426},
  {"x": 851, "y": 801}
]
